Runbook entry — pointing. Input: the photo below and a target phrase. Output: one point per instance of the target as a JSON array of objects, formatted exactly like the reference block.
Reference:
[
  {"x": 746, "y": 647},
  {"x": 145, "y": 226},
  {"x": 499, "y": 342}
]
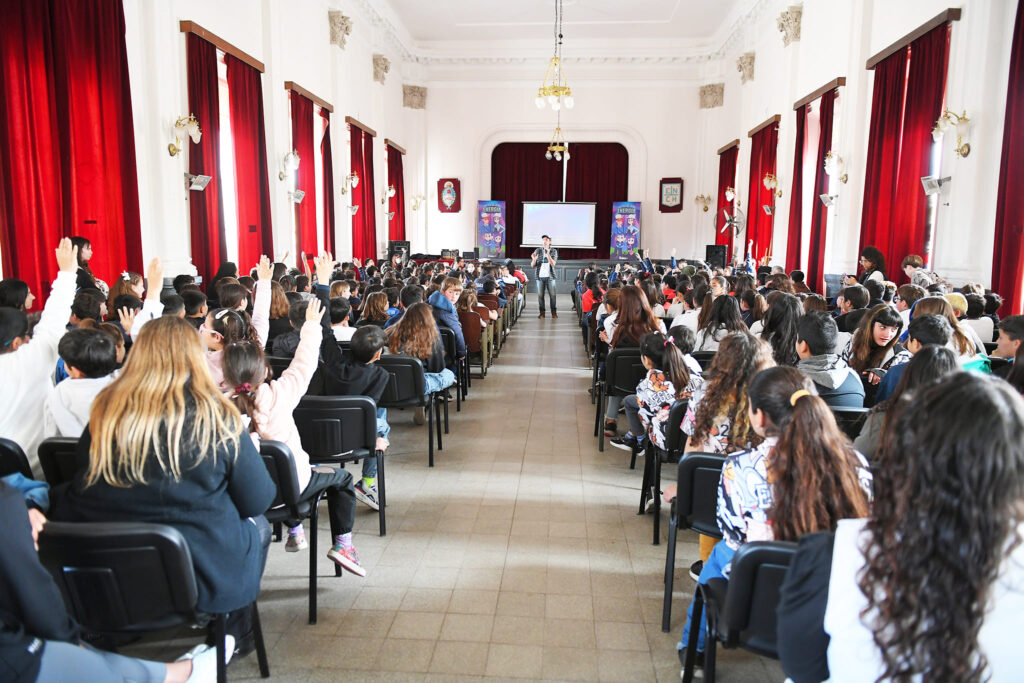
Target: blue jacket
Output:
[{"x": 445, "y": 315}]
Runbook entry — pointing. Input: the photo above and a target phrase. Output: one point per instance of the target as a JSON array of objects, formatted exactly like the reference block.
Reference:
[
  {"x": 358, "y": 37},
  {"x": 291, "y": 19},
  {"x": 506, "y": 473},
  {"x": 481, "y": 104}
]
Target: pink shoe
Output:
[{"x": 347, "y": 558}]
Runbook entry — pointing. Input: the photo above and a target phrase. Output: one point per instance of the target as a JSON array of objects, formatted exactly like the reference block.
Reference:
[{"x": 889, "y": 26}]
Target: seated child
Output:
[
  {"x": 90, "y": 357},
  {"x": 269, "y": 406},
  {"x": 341, "y": 312},
  {"x": 174, "y": 305},
  {"x": 196, "y": 307}
]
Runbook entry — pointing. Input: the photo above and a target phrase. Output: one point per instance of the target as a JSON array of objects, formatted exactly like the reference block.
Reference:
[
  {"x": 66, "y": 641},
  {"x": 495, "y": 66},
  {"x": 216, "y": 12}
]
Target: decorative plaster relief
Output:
[{"x": 712, "y": 95}]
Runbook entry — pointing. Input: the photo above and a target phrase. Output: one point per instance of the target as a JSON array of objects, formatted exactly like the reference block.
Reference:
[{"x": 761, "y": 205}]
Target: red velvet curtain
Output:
[
  {"x": 252, "y": 183},
  {"x": 726, "y": 179},
  {"x": 396, "y": 178},
  {"x": 328, "y": 187},
  {"x": 1008, "y": 257},
  {"x": 819, "y": 212},
  {"x": 206, "y": 208},
  {"x": 908, "y": 95},
  {"x": 362, "y": 246},
  {"x": 302, "y": 140},
  {"x": 369, "y": 208},
  {"x": 796, "y": 205},
  {"x": 926, "y": 90},
  {"x": 763, "y": 147},
  {"x": 597, "y": 172},
  {"x": 67, "y": 147}
]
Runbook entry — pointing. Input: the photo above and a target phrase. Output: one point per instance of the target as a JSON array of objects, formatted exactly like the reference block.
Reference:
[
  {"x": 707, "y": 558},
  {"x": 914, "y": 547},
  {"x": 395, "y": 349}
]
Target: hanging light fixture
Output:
[
  {"x": 558, "y": 149},
  {"x": 555, "y": 89}
]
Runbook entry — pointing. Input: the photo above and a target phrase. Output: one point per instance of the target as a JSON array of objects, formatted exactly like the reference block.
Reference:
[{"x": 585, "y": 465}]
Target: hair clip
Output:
[
  {"x": 221, "y": 313},
  {"x": 126, "y": 276},
  {"x": 244, "y": 388},
  {"x": 797, "y": 395},
  {"x": 669, "y": 340}
]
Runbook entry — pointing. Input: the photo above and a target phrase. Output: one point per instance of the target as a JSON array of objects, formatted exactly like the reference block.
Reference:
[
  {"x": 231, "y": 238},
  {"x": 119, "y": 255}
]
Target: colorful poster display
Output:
[
  {"x": 625, "y": 231},
  {"x": 490, "y": 229}
]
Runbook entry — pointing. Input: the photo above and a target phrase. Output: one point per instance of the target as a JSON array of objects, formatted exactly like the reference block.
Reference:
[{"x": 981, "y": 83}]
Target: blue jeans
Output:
[
  {"x": 720, "y": 557},
  {"x": 547, "y": 284},
  {"x": 436, "y": 381},
  {"x": 383, "y": 429}
]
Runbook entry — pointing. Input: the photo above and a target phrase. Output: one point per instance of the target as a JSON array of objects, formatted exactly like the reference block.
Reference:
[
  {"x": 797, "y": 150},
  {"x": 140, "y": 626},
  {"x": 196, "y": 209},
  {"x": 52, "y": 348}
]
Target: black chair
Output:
[
  {"x": 287, "y": 506},
  {"x": 407, "y": 389},
  {"x": 13, "y": 459},
  {"x": 316, "y": 382},
  {"x": 850, "y": 420},
  {"x": 997, "y": 364},
  {"x": 654, "y": 457},
  {"x": 58, "y": 460},
  {"x": 741, "y": 611},
  {"x": 704, "y": 358},
  {"x": 623, "y": 370},
  {"x": 990, "y": 347},
  {"x": 126, "y": 578},
  {"x": 339, "y": 429},
  {"x": 451, "y": 355},
  {"x": 599, "y": 356},
  {"x": 695, "y": 507}
]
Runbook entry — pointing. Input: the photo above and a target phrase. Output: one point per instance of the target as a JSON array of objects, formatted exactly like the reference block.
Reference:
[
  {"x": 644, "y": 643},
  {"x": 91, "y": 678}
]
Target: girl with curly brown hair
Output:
[
  {"x": 416, "y": 335},
  {"x": 928, "y": 587}
]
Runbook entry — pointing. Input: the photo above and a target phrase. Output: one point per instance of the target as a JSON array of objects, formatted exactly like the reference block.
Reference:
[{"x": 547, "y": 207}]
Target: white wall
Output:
[{"x": 293, "y": 42}]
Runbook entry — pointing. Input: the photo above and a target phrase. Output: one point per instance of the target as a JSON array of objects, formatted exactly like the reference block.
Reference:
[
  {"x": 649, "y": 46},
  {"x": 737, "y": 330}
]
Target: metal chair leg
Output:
[
  {"x": 382, "y": 500},
  {"x": 437, "y": 420},
  {"x": 691, "y": 645},
  {"x": 314, "y": 518},
  {"x": 218, "y": 625},
  {"x": 656, "y": 492},
  {"x": 670, "y": 571},
  {"x": 261, "y": 647},
  {"x": 430, "y": 435}
]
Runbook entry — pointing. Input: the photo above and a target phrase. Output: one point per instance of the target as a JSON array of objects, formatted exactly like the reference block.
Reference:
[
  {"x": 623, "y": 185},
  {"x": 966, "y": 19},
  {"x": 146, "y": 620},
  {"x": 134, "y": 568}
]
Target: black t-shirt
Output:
[{"x": 800, "y": 614}]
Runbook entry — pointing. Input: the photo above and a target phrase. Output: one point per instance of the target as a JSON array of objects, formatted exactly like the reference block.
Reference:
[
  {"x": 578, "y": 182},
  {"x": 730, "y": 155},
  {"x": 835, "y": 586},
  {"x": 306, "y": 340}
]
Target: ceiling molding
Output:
[{"x": 396, "y": 40}]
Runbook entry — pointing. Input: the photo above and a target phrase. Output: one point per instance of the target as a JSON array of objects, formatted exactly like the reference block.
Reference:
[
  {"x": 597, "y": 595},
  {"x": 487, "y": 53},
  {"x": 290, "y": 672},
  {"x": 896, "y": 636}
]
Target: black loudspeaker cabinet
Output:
[
  {"x": 398, "y": 246},
  {"x": 714, "y": 255}
]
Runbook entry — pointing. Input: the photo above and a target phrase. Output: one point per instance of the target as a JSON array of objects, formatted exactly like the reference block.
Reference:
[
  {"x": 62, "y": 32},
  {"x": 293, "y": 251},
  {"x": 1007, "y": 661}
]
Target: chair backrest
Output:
[
  {"x": 406, "y": 384},
  {"x": 471, "y": 330},
  {"x": 704, "y": 358},
  {"x": 697, "y": 492},
  {"x": 748, "y": 617},
  {"x": 484, "y": 313},
  {"x": 280, "y": 465},
  {"x": 13, "y": 459},
  {"x": 490, "y": 301},
  {"x": 450, "y": 346},
  {"x": 675, "y": 437},
  {"x": 279, "y": 364},
  {"x": 121, "y": 577},
  {"x": 316, "y": 382},
  {"x": 850, "y": 419},
  {"x": 623, "y": 370},
  {"x": 57, "y": 458},
  {"x": 336, "y": 426},
  {"x": 996, "y": 363},
  {"x": 510, "y": 291},
  {"x": 990, "y": 347}
]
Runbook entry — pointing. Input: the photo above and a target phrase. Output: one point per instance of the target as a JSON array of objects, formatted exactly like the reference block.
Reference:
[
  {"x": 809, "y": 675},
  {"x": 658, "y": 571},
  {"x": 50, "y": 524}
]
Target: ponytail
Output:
[
  {"x": 814, "y": 469},
  {"x": 666, "y": 354},
  {"x": 245, "y": 368}
]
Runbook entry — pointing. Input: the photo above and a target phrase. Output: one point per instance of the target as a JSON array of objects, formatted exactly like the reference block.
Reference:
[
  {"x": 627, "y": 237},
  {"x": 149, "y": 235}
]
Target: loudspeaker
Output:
[
  {"x": 714, "y": 255},
  {"x": 399, "y": 247}
]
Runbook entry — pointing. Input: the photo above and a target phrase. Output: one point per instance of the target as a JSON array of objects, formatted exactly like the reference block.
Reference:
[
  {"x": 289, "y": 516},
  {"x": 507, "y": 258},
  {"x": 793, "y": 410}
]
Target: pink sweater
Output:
[{"x": 275, "y": 400}]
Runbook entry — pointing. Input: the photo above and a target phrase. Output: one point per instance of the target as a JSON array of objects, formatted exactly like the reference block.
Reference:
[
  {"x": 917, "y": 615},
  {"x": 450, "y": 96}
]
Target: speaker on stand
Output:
[{"x": 714, "y": 255}]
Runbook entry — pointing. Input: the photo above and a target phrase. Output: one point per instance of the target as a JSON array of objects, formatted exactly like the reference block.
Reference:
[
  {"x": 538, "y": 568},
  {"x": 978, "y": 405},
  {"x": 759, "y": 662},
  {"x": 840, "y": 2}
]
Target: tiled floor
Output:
[{"x": 519, "y": 555}]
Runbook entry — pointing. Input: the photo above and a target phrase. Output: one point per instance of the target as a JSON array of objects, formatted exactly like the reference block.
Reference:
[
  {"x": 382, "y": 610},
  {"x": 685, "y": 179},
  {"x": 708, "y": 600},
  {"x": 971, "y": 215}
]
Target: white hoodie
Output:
[
  {"x": 26, "y": 375},
  {"x": 67, "y": 409}
]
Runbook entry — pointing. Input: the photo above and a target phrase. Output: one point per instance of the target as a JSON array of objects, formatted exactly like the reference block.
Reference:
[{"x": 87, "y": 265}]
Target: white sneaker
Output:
[{"x": 367, "y": 495}]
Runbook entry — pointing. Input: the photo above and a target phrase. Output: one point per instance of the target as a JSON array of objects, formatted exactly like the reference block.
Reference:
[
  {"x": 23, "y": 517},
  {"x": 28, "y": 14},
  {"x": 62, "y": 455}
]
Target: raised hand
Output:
[
  {"x": 264, "y": 269},
  {"x": 67, "y": 256},
  {"x": 284, "y": 259},
  {"x": 324, "y": 264},
  {"x": 673, "y": 252},
  {"x": 314, "y": 310},
  {"x": 127, "y": 318},
  {"x": 154, "y": 279}
]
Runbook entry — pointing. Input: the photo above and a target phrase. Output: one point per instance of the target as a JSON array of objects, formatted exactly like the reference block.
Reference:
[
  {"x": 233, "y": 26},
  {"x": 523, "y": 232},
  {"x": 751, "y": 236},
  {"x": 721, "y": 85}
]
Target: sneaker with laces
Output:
[
  {"x": 695, "y": 569},
  {"x": 611, "y": 428},
  {"x": 347, "y": 559},
  {"x": 296, "y": 543},
  {"x": 367, "y": 495},
  {"x": 626, "y": 442}
]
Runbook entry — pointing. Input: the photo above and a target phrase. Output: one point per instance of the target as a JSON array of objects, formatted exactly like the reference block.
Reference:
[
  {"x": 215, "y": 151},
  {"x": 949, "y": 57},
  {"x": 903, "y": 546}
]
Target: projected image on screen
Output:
[{"x": 568, "y": 224}]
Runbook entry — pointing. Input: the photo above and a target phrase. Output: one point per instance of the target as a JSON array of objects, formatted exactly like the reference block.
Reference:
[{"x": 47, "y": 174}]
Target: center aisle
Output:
[{"x": 520, "y": 554}]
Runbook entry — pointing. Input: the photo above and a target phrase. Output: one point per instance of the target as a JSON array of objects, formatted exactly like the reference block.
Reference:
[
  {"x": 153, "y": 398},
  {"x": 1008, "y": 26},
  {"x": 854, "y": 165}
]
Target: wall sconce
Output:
[
  {"x": 387, "y": 194},
  {"x": 933, "y": 185},
  {"x": 184, "y": 126},
  {"x": 197, "y": 183},
  {"x": 349, "y": 181},
  {"x": 391, "y": 215},
  {"x": 289, "y": 165},
  {"x": 703, "y": 200},
  {"x": 730, "y": 194},
  {"x": 417, "y": 199},
  {"x": 835, "y": 167},
  {"x": 771, "y": 183},
  {"x": 828, "y": 199},
  {"x": 353, "y": 209},
  {"x": 297, "y": 196},
  {"x": 948, "y": 121}
]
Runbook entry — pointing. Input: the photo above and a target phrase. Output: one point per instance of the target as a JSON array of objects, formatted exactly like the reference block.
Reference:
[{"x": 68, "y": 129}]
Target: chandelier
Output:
[
  {"x": 555, "y": 89},
  {"x": 558, "y": 148}
]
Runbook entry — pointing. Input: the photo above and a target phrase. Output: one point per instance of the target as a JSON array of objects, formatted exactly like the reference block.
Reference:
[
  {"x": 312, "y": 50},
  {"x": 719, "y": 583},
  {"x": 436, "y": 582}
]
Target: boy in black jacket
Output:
[{"x": 354, "y": 375}]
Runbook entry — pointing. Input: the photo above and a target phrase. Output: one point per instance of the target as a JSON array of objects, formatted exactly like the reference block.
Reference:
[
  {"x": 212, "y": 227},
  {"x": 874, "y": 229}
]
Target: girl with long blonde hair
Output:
[{"x": 163, "y": 445}]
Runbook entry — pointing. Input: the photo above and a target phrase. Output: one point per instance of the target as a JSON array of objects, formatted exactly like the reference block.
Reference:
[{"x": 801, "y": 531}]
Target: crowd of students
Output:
[
  {"x": 940, "y": 372},
  {"x": 169, "y": 395}
]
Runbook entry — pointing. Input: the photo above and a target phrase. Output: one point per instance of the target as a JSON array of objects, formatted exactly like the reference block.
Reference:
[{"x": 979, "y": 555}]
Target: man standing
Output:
[{"x": 543, "y": 261}]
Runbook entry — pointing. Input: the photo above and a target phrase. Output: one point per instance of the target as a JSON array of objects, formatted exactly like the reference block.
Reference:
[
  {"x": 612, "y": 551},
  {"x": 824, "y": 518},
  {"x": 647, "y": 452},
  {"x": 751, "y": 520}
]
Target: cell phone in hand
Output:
[{"x": 878, "y": 372}]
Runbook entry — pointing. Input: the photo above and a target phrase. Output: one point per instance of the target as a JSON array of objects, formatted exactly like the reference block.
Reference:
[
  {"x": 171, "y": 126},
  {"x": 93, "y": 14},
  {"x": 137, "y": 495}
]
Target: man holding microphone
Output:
[{"x": 543, "y": 261}]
